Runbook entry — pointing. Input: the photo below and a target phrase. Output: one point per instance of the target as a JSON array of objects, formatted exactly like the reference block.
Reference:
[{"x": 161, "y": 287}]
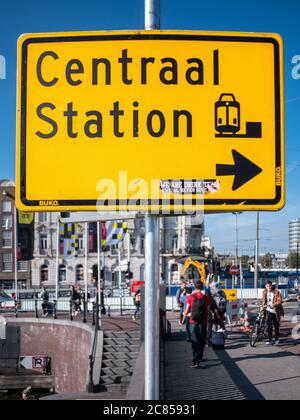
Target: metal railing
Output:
[
  {"x": 123, "y": 305},
  {"x": 73, "y": 309},
  {"x": 55, "y": 309}
]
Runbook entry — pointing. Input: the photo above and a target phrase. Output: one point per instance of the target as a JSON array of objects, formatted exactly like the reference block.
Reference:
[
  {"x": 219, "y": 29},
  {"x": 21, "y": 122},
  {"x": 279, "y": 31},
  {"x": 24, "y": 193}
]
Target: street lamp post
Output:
[
  {"x": 237, "y": 243},
  {"x": 297, "y": 259},
  {"x": 256, "y": 252}
]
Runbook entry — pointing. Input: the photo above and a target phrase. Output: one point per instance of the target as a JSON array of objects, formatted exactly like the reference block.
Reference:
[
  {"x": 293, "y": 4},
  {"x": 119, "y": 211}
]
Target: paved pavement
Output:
[{"x": 239, "y": 372}]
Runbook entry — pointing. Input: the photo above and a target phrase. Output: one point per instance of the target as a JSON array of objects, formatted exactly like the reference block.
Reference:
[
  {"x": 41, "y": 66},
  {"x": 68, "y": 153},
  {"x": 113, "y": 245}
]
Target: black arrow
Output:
[{"x": 243, "y": 170}]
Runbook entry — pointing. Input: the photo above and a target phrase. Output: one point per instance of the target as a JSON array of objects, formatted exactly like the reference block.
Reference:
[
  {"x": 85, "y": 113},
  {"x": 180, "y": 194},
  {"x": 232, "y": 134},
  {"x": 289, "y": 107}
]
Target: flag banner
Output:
[
  {"x": 113, "y": 233},
  {"x": 69, "y": 240},
  {"x": 25, "y": 236},
  {"x": 92, "y": 229}
]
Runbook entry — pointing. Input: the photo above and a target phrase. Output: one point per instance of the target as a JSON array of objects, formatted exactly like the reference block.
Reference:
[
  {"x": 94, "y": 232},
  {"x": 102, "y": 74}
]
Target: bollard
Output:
[
  {"x": 36, "y": 308},
  {"x": 55, "y": 309},
  {"x": 97, "y": 316},
  {"x": 94, "y": 314},
  {"x": 109, "y": 312},
  {"x": 16, "y": 309},
  {"x": 84, "y": 312},
  {"x": 71, "y": 311}
]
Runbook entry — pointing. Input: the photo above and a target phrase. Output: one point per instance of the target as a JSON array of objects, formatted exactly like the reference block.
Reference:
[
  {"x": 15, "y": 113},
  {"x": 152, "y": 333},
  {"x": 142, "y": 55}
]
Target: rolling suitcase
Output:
[{"x": 218, "y": 340}]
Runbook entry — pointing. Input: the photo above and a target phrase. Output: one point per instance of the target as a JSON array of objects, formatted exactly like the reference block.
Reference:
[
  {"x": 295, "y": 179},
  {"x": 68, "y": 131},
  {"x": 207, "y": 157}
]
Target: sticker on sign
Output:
[{"x": 161, "y": 121}]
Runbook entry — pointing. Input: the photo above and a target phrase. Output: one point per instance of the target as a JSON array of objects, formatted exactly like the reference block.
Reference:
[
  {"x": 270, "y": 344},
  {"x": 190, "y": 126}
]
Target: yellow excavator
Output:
[{"x": 200, "y": 267}]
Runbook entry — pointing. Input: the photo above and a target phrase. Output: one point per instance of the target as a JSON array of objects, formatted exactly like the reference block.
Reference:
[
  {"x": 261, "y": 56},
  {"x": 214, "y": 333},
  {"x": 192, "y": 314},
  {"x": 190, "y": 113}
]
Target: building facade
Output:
[
  {"x": 7, "y": 242},
  {"x": 180, "y": 237},
  {"x": 294, "y": 235}
]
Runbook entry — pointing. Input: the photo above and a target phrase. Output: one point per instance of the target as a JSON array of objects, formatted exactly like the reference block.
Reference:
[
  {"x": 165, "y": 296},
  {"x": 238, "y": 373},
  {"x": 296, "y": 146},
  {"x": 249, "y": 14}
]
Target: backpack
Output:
[
  {"x": 198, "y": 309},
  {"x": 220, "y": 301}
]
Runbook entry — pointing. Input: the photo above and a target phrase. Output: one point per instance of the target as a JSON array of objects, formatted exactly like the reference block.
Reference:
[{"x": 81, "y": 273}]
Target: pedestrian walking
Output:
[
  {"x": 80, "y": 299},
  {"x": 179, "y": 292},
  {"x": 272, "y": 301},
  {"x": 198, "y": 305},
  {"x": 75, "y": 299},
  {"x": 188, "y": 292},
  {"x": 216, "y": 319},
  {"x": 137, "y": 302},
  {"x": 44, "y": 296}
]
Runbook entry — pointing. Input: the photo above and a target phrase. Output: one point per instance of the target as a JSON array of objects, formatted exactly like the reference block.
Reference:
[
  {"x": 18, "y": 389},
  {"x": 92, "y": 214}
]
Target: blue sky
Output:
[{"x": 18, "y": 17}]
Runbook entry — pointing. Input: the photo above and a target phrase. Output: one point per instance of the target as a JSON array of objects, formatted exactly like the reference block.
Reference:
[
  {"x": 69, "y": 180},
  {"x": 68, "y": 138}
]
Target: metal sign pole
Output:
[
  {"x": 16, "y": 253},
  {"x": 256, "y": 276},
  {"x": 99, "y": 251},
  {"x": 57, "y": 260},
  {"x": 152, "y": 21}
]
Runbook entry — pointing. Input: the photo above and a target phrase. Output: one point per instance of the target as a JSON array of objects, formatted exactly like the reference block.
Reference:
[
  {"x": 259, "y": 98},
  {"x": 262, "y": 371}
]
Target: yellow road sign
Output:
[
  {"x": 231, "y": 295},
  {"x": 150, "y": 120}
]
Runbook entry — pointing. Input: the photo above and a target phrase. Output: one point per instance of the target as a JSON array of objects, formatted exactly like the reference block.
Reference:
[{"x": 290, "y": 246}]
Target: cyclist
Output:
[{"x": 272, "y": 301}]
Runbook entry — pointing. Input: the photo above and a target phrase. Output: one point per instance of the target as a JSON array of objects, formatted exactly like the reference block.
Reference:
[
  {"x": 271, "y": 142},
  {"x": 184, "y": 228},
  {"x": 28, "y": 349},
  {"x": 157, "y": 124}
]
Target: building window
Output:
[
  {"x": 174, "y": 274},
  {"x": 6, "y": 221},
  {"x": 6, "y": 284},
  {"x": 23, "y": 266},
  {"x": 62, "y": 273},
  {"x": 44, "y": 273},
  {"x": 43, "y": 241},
  {"x": 175, "y": 242},
  {"x": 6, "y": 239},
  {"x": 7, "y": 264},
  {"x": 79, "y": 273},
  {"x": 6, "y": 206},
  {"x": 43, "y": 217},
  {"x": 80, "y": 242},
  {"x": 114, "y": 279}
]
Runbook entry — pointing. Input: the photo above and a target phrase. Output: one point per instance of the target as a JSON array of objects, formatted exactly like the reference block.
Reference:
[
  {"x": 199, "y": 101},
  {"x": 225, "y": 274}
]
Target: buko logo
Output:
[{"x": 2, "y": 68}]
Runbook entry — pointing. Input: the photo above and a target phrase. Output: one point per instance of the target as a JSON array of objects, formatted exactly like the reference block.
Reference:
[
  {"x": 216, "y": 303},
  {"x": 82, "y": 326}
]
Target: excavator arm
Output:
[{"x": 200, "y": 267}]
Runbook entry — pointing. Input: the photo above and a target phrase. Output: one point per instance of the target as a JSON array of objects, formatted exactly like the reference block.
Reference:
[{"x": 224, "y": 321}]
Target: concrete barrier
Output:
[
  {"x": 69, "y": 345},
  {"x": 256, "y": 294}
]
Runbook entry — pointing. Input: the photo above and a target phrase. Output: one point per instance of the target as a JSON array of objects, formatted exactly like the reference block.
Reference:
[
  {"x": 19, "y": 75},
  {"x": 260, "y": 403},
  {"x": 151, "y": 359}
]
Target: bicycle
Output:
[{"x": 260, "y": 330}]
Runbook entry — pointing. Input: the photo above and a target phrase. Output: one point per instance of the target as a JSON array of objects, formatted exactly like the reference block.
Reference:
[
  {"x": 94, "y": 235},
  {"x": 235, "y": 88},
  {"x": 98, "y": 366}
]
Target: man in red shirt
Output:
[{"x": 199, "y": 311}]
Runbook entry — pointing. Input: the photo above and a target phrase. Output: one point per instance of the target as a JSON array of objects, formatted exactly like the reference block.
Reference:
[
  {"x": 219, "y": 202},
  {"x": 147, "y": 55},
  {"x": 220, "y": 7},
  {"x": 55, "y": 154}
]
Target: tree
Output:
[
  {"x": 293, "y": 260},
  {"x": 245, "y": 260},
  {"x": 267, "y": 261}
]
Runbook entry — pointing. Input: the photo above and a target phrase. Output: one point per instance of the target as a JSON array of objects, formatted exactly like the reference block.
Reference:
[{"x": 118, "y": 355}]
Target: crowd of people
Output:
[
  {"x": 77, "y": 298},
  {"x": 203, "y": 312}
]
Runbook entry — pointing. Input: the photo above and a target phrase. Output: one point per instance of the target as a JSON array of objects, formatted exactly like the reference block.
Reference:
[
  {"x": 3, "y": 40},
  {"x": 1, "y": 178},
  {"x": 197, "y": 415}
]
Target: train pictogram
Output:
[{"x": 228, "y": 119}]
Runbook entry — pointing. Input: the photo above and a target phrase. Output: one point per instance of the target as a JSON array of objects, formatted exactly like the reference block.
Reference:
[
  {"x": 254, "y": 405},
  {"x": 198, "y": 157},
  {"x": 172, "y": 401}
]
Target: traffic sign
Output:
[
  {"x": 234, "y": 270},
  {"x": 150, "y": 120},
  {"x": 33, "y": 362},
  {"x": 231, "y": 295}
]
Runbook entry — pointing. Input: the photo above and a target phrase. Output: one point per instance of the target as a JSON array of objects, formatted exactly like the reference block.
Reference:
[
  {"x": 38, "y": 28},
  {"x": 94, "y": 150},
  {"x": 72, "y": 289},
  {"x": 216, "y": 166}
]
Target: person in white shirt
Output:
[{"x": 272, "y": 300}]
